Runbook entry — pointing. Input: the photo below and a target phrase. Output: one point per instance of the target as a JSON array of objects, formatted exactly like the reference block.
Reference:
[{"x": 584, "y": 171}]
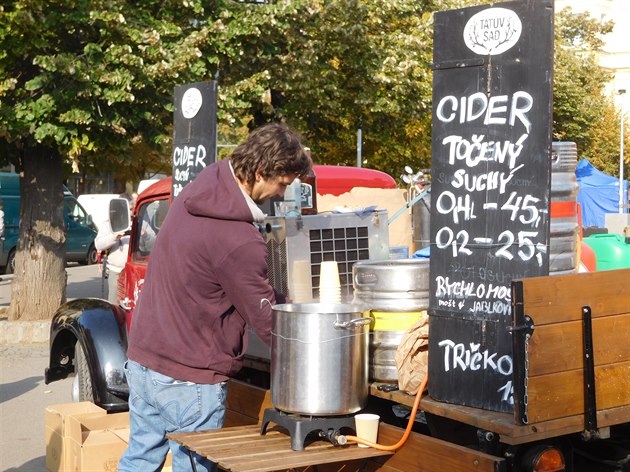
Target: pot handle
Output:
[{"x": 352, "y": 323}]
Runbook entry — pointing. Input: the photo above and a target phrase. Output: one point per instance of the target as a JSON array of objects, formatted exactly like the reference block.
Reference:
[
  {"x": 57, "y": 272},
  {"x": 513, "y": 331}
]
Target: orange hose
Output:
[{"x": 404, "y": 437}]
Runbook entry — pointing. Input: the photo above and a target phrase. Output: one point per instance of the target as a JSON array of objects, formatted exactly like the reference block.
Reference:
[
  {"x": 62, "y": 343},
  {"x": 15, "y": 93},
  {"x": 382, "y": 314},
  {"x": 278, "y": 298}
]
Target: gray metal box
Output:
[{"x": 342, "y": 237}]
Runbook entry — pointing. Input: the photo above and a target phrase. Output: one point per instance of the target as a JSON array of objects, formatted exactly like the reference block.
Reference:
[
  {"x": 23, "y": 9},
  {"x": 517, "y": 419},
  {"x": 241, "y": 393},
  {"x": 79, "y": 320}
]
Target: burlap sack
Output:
[{"x": 412, "y": 356}]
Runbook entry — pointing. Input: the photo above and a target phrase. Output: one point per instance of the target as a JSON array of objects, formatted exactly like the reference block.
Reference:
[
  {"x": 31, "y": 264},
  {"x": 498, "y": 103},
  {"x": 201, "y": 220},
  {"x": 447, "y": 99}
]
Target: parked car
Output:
[
  {"x": 80, "y": 229},
  {"x": 99, "y": 206}
]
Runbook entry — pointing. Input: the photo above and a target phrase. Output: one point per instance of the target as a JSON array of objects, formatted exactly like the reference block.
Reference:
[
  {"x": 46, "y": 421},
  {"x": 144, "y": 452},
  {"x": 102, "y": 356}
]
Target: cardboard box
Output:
[
  {"x": 82, "y": 437},
  {"x": 56, "y": 421},
  {"x": 124, "y": 435},
  {"x": 392, "y": 200},
  {"x": 93, "y": 443},
  {"x": 616, "y": 222}
]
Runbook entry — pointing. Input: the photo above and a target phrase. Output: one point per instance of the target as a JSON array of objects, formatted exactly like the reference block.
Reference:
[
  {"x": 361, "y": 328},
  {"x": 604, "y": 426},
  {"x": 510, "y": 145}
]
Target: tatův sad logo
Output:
[{"x": 492, "y": 31}]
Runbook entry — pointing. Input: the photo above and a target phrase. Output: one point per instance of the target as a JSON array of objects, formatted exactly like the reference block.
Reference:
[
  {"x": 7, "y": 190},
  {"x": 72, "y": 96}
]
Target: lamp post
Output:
[
  {"x": 621, "y": 202},
  {"x": 359, "y": 146}
]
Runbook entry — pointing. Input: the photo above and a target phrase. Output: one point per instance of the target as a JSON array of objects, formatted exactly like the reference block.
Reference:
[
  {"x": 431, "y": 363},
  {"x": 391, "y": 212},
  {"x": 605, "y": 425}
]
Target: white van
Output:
[
  {"x": 99, "y": 205},
  {"x": 144, "y": 184}
]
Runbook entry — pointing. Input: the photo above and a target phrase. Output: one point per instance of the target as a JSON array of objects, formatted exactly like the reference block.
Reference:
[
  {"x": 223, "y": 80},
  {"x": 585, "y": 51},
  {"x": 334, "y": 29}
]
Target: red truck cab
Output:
[
  {"x": 336, "y": 180},
  {"x": 149, "y": 213}
]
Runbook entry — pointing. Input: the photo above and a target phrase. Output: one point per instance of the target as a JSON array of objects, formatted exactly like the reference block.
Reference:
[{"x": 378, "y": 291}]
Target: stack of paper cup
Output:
[
  {"x": 329, "y": 285},
  {"x": 301, "y": 288}
]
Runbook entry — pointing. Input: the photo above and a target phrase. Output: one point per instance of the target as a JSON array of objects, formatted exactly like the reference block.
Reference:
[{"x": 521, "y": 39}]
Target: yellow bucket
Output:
[{"x": 394, "y": 321}]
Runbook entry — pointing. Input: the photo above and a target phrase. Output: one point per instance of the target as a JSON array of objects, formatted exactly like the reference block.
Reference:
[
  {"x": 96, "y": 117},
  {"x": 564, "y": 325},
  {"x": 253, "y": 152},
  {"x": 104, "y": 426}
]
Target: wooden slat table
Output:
[{"x": 243, "y": 449}]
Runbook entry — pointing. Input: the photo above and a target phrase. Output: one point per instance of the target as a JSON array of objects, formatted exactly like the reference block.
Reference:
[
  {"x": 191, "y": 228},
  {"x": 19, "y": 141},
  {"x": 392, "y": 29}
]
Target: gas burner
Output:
[{"x": 300, "y": 426}]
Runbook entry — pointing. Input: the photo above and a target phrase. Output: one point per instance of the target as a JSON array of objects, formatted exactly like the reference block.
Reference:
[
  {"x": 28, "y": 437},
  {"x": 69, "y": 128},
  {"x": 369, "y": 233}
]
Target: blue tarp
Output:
[{"x": 598, "y": 194}]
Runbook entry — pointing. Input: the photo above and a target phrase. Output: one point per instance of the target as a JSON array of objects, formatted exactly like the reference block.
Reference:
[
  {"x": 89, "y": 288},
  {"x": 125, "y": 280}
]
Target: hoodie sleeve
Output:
[{"x": 243, "y": 276}]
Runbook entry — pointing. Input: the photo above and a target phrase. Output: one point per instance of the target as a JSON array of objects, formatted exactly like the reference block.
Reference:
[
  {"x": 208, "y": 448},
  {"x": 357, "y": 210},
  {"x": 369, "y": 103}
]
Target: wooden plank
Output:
[
  {"x": 422, "y": 453},
  {"x": 247, "y": 400},
  {"x": 555, "y": 353},
  {"x": 554, "y": 357},
  {"x": 234, "y": 418},
  {"x": 514, "y": 434},
  {"x": 561, "y": 394},
  {"x": 502, "y": 423},
  {"x": 561, "y": 298},
  {"x": 242, "y": 449},
  {"x": 558, "y": 347},
  {"x": 395, "y": 396}
]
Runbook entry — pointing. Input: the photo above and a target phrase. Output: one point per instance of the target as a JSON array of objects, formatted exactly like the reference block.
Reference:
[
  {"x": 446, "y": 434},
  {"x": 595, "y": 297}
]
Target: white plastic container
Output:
[{"x": 293, "y": 198}]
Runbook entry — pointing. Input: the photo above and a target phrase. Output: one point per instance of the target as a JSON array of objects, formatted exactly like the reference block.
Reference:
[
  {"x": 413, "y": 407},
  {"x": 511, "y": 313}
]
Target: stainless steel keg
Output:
[{"x": 395, "y": 293}]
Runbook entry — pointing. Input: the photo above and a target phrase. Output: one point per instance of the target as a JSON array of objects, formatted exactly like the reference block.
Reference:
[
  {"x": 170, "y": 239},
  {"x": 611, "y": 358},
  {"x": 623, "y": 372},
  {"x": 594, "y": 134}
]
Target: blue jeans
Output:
[{"x": 159, "y": 405}]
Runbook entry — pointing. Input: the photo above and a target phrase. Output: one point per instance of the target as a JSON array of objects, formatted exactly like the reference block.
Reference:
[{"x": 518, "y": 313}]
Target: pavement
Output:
[
  {"x": 83, "y": 281},
  {"x": 23, "y": 394},
  {"x": 23, "y": 399}
]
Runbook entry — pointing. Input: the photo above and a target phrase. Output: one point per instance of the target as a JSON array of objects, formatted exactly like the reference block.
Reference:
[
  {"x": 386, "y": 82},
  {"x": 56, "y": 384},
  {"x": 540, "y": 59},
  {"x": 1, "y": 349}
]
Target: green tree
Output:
[
  {"x": 583, "y": 111},
  {"x": 333, "y": 67},
  {"x": 91, "y": 83},
  {"x": 343, "y": 65},
  {"x": 82, "y": 81}
]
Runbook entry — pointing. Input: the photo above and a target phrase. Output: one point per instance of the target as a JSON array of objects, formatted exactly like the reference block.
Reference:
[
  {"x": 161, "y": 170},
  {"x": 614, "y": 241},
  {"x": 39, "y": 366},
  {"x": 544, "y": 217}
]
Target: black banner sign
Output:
[
  {"x": 492, "y": 104},
  {"x": 195, "y": 133}
]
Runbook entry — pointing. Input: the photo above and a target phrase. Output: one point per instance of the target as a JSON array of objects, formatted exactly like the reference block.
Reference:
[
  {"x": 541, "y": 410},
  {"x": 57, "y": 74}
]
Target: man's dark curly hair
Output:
[{"x": 273, "y": 150}]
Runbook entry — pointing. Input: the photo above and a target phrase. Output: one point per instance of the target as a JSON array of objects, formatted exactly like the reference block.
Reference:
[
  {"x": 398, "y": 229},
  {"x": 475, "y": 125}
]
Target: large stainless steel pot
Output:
[{"x": 319, "y": 359}]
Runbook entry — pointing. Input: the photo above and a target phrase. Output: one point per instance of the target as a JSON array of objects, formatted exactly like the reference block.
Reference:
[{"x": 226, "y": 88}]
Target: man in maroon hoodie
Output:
[{"x": 206, "y": 280}]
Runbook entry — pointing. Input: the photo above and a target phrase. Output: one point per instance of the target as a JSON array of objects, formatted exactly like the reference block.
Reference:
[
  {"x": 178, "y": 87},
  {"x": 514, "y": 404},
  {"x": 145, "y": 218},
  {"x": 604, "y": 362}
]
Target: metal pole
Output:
[
  {"x": 359, "y": 147},
  {"x": 621, "y": 130}
]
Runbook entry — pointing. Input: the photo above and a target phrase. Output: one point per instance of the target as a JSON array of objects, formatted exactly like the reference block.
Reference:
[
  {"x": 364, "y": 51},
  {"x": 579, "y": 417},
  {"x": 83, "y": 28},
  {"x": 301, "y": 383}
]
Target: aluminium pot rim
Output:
[{"x": 318, "y": 308}]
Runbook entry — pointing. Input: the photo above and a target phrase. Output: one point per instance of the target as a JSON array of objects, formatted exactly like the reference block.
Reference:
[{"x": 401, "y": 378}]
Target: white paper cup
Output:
[
  {"x": 367, "y": 427},
  {"x": 330, "y": 295},
  {"x": 300, "y": 287},
  {"x": 301, "y": 273},
  {"x": 329, "y": 274},
  {"x": 301, "y": 294}
]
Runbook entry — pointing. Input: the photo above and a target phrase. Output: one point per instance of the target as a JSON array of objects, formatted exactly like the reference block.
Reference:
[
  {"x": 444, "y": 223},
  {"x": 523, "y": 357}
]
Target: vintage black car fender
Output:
[{"x": 100, "y": 329}]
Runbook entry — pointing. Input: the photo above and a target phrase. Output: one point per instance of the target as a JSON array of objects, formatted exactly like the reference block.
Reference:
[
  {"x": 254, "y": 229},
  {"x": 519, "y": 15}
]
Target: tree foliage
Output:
[
  {"x": 93, "y": 77},
  {"x": 584, "y": 112},
  {"x": 104, "y": 73},
  {"x": 330, "y": 68},
  {"x": 334, "y": 67},
  {"x": 84, "y": 80},
  {"x": 366, "y": 65},
  {"x": 91, "y": 83}
]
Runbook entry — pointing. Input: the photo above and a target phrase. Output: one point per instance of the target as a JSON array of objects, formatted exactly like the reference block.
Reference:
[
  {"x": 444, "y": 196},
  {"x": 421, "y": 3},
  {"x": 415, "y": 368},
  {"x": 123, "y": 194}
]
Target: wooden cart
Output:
[{"x": 571, "y": 337}]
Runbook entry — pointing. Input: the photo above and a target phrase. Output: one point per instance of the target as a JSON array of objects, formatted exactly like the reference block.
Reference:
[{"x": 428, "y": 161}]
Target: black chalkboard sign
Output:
[
  {"x": 491, "y": 172},
  {"x": 194, "y": 137}
]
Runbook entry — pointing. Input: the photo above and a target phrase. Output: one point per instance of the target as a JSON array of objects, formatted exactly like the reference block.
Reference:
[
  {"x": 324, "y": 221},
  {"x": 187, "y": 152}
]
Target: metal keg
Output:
[
  {"x": 395, "y": 293},
  {"x": 564, "y": 227}
]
